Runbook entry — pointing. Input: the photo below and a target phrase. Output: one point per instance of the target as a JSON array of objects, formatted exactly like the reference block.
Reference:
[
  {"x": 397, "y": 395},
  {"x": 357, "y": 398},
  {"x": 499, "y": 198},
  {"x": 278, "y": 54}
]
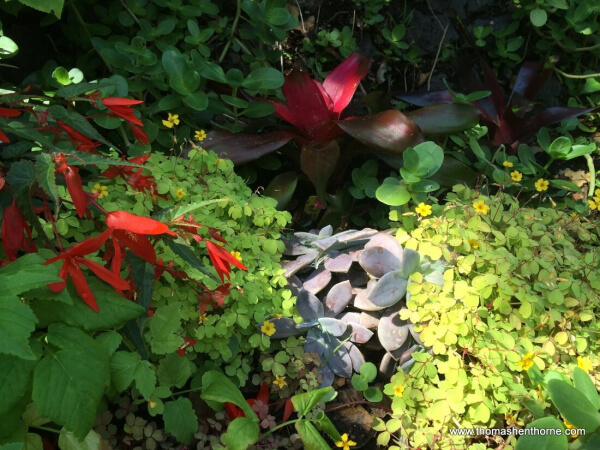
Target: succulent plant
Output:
[{"x": 348, "y": 285}]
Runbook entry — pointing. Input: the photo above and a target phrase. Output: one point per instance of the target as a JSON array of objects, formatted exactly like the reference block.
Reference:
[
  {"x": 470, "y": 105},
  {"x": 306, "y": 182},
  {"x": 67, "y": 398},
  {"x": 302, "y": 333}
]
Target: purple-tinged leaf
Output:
[
  {"x": 393, "y": 332},
  {"x": 445, "y": 118},
  {"x": 390, "y": 131},
  {"x": 550, "y": 116},
  {"x": 387, "y": 366},
  {"x": 370, "y": 319},
  {"x": 333, "y": 326},
  {"x": 389, "y": 290},
  {"x": 426, "y": 98},
  {"x": 317, "y": 280},
  {"x": 341, "y": 83},
  {"x": 339, "y": 361},
  {"x": 338, "y": 264},
  {"x": 491, "y": 84},
  {"x": 387, "y": 241},
  {"x": 361, "y": 300},
  {"x": 531, "y": 77},
  {"x": 377, "y": 261},
  {"x": 291, "y": 267},
  {"x": 411, "y": 260},
  {"x": 284, "y": 327},
  {"x": 407, "y": 354},
  {"x": 317, "y": 161},
  {"x": 245, "y": 147},
  {"x": 356, "y": 356},
  {"x": 353, "y": 237},
  {"x": 358, "y": 333},
  {"x": 350, "y": 316},
  {"x": 294, "y": 284},
  {"x": 309, "y": 306},
  {"x": 327, "y": 376},
  {"x": 282, "y": 188},
  {"x": 338, "y": 298}
]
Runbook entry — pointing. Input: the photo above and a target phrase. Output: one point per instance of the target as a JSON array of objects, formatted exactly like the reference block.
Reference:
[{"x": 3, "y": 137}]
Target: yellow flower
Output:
[
  {"x": 171, "y": 121},
  {"x": 200, "y": 135},
  {"x": 280, "y": 382},
  {"x": 102, "y": 191},
  {"x": 593, "y": 204},
  {"x": 575, "y": 216},
  {"x": 597, "y": 193},
  {"x": 236, "y": 255},
  {"x": 180, "y": 193},
  {"x": 423, "y": 209},
  {"x": 202, "y": 319},
  {"x": 151, "y": 404},
  {"x": 584, "y": 363},
  {"x": 512, "y": 419},
  {"x": 481, "y": 207},
  {"x": 527, "y": 362},
  {"x": 541, "y": 185},
  {"x": 398, "y": 390},
  {"x": 570, "y": 426},
  {"x": 268, "y": 328},
  {"x": 474, "y": 243},
  {"x": 345, "y": 443},
  {"x": 516, "y": 176},
  {"x": 507, "y": 164}
]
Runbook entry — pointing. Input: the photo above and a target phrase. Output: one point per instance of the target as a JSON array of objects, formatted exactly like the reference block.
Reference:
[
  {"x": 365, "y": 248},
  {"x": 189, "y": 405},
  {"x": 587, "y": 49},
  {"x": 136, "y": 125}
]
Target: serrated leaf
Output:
[
  {"x": 21, "y": 176},
  {"x": 45, "y": 175},
  {"x": 68, "y": 441},
  {"x": 127, "y": 367},
  {"x": 164, "y": 326},
  {"x": 75, "y": 90},
  {"x": 17, "y": 322},
  {"x": 47, "y": 6},
  {"x": 26, "y": 273},
  {"x": 180, "y": 419},
  {"x": 173, "y": 370},
  {"x": 15, "y": 375},
  {"x": 242, "y": 432}
]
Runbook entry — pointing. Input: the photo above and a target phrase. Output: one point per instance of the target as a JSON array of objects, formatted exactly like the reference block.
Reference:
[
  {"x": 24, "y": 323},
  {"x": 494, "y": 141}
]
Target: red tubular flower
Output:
[
  {"x": 75, "y": 188},
  {"x": 139, "y": 135},
  {"x": 187, "y": 342},
  {"x": 137, "y": 243},
  {"x": 312, "y": 107},
  {"x": 9, "y": 112},
  {"x": 214, "y": 298},
  {"x": 133, "y": 176},
  {"x": 13, "y": 232},
  {"x": 80, "y": 141},
  {"x": 4, "y": 138},
  {"x": 118, "y": 108},
  {"x": 121, "y": 220},
  {"x": 221, "y": 259}
]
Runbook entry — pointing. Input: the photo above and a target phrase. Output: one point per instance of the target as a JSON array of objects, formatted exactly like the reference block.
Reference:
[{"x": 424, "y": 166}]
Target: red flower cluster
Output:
[
  {"x": 13, "y": 232},
  {"x": 119, "y": 107},
  {"x": 133, "y": 176}
]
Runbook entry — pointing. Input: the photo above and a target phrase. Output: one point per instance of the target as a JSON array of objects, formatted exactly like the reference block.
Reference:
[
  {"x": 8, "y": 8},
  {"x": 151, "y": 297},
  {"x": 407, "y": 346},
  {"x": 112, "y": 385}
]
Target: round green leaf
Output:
[
  {"x": 197, "y": 101},
  {"x": 393, "y": 192},
  {"x": 538, "y": 17},
  {"x": 263, "y": 78}
]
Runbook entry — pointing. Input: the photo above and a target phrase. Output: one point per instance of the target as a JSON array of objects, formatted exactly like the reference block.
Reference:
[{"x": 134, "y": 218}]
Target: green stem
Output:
[
  {"x": 577, "y": 77},
  {"x": 548, "y": 164},
  {"x": 235, "y": 108},
  {"x": 285, "y": 424},
  {"x": 40, "y": 427},
  {"x": 592, "y": 169},
  {"x": 238, "y": 14}
]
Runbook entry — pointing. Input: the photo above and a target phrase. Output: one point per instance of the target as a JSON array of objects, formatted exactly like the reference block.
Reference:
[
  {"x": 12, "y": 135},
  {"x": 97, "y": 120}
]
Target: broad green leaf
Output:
[
  {"x": 242, "y": 432},
  {"x": 173, "y": 370},
  {"x": 585, "y": 385},
  {"x": 180, "y": 419},
  {"x": 15, "y": 375},
  {"x": 26, "y": 273},
  {"x": 573, "y": 405},
  {"x": 197, "y": 101},
  {"x": 311, "y": 439},
  {"x": 8, "y": 47},
  {"x": 68, "y": 384},
  {"x": 560, "y": 148},
  {"x": 182, "y": 79},
  {"x": 445, "y": 118},
  {"x": 68, "y": 441},
  {"x": 47, "y": 6},
  {"x": 61, "y": 75},
  {"x": 33, "y": 441},
  {"x": 75, "y": 90},
  {"x": 393, "y": 192},
  {"x": 114, "y": 310},
  {"x": 164, "y": 328},
  {"x": 324, "y": 424},
  {"x": 546, "y": 441},
  {"x": 217, "y": 387},
  {"x": 305, "y": 402},
  {"x": 282, "y": 188},
  {"x": 126, "y": 367},
  {"x": 46, "y": 175},
  {"x": 258, "y": 109},
  {"x": 13, "y": 446},
  {"x": 263, "y": 78},
  {"x": 538, "y": 17},
  {"x": 423, "y": 160},
  {"x": 21, "y": 176},
  {"x": 211, "y": 71},
  {"x": 17, "y": 322}
]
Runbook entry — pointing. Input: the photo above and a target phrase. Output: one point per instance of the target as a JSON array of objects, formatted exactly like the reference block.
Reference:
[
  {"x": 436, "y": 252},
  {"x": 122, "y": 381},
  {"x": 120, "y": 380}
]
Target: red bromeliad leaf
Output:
[
  {"x": 137, "y": 243},
  {"x": 118, "y": 107},
  {"x": 390, "y": 132},
  {"x": 9, "y": 112},
  {"x": 13, "y": 232},
  {"x": 104, "y": 274},
  {"x": 233, "y": 412},
  {"x": 341, "y": 83},
  {"x": 425, "y": 98},
  {"x": 122, "y": 220},
  {"x": 317, "y": 161},
  {"x": 89, "y": 245},
  {"x": 75, "y": 188},
  {"x": 81, "y": 285},
  {"x": 288, "y": 409},
  {"x": 221, "y": 259},
  {"x": 445, "y": 118}
]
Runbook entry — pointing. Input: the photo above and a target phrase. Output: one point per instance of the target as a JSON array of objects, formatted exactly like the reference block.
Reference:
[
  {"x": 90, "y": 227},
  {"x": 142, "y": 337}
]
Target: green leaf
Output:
[
  {"x": 198, "y": 101},
  {"x": 242, "y": 432},
  {"x": 77, "y": 122},
  {"x": 310, "y": 436},
  {"x": 573, "y": 405},
  {"x": 126, "y": 367},
  {"x": 173, "y": 370},
  {"x": 47, "y": 6},
  {"x": 423, "y": 160},
  {"x": 84, "y": 159},
  {"x": 263, "y": 78},
  {"x": 68, "y": 384},
  {"x": 560, "y": 148},
  {"x": 21, "y": 176},
  {"x": 538, "y": 17},
  {"x": 585, "y": 385},
  {"x": 114, "y": 310},
  {"x": 305, "y": 402},
  {"x": 68, "y": 441},
  {"x": 15, "y": 375},
  {"x": 61, "y": 75},
  {"x": 393, "y": 192},
  {"x": 217, "y": 387},
  {"x": 26, "y": 273},
  {"x": 187, "y": 254},
  {"x": 174, "y": 212},
  {"x": 181, "y": 79},
  {"x": 17, "y": 322},
  {"x": 180, "y": 419},
  {"x": 324, "y": 424},
  {"x": 211, "y": 71},
  {"x": 13, "y": 446},
  {"x": 8, "y": 47},
  {"x": 368, "y": 371},
  {"x": 258, "y": 109},
  {"x": 75, "y": 90},
  {"x": 28, "y": 133},
  {"x": 164, "y": 326},
  {"x": 445, "y": 118},
  {"x": 546, "y": 441},
  {"x": 46, "y": 176}
]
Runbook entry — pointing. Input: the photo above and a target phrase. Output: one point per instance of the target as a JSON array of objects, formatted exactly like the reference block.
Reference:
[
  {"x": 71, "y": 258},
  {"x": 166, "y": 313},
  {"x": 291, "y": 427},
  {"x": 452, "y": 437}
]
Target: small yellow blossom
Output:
[
  {"x": 102, "y": 191},
  {"x": 597, "y": 193},
  {"x": 540, "y": 393},
  {"x": 584, "y": 363},
  {"x": 541, "y": 185},
  {"x": 180, "y": 193},
  {"x": 423, "y": 209},
  {"x": 171, "y": 121},
  {"x": 268, "y": 328},
  {"x": 507, "y": 164},
  {"x": 236, "y": 255},
  {"x": 202, "y": 319},
  {"x": 516, "y": 176},
  {"x": 345, "y": 443},
  {"x": 570, "y": 426},
  {"x": 474, "y": 243},
  {"x": 151, "y": 404},
  {"x": 200, "y": 135},
  {"x": 398, "y": 390},
  {"x": 513, "y": 419},
  {"x": 527, "y": 362},
  {"x": 481, "y": 207},
  {"x": 575, "y": 216},
  {"x": 593, "y": 204},
  {"x": 280, "y": 382}
]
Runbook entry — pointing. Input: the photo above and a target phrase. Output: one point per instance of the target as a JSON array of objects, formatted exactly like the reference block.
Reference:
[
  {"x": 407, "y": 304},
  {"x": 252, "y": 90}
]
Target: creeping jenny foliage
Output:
[{"x": 522, "y": 280}]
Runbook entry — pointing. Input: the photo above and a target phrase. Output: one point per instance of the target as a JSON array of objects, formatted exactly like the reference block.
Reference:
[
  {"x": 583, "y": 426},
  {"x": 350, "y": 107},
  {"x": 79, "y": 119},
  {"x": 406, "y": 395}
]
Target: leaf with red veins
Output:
[
  {"x": 75, "y": 188},
  {"x": 221, "y": 259},
  {"x": 81, "y": 285},
  {"x": 137, "y": 243},
  {"x": 122, "y": 220},
  {"x": 103, "y": 273},
  {"x": 341, "y": 83},
  {"x": 9, "y": 112},
  {"x": 89, "y": 245}
]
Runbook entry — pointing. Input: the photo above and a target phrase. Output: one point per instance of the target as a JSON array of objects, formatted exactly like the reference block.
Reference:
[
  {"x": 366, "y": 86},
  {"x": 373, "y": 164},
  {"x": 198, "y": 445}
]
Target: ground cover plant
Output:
[{"x": 346, "y": 271}]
